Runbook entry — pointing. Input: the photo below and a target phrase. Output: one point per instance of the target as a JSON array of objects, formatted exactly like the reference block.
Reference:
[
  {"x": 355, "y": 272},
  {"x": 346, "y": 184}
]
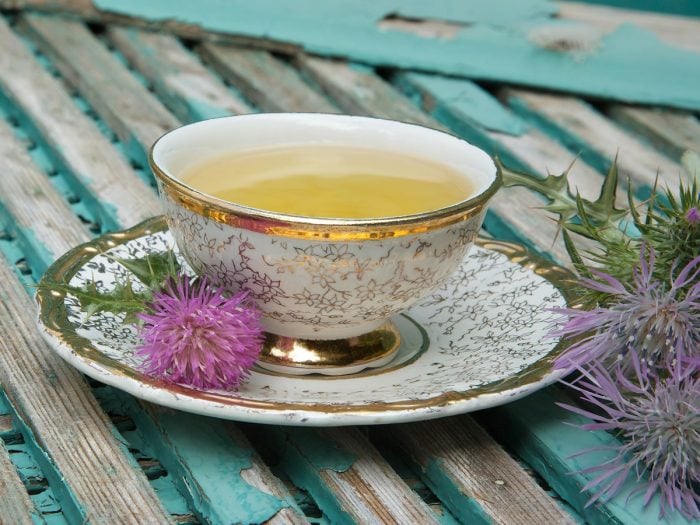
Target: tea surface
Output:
[{"x": 330, "y": 182}]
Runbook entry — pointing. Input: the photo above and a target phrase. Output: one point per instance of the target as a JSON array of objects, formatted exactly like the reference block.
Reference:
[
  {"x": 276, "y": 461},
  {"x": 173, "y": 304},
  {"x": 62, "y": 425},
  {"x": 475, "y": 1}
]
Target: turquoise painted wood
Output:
[
  {"x": 218, "y": 509},
  {"x": 35, "y": 462},
  {"x": 670, "y": 7},
  {"x": 194, "y": 453},
  {"x": 545, "y": 436},
  {"x": 534, "y": 49},
  {"x": 471, "y": 117}
]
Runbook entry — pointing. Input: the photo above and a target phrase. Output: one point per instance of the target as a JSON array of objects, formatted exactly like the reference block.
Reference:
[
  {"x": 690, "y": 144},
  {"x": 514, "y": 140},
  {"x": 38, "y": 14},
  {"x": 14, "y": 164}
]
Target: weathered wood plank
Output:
[
  {"x": 106, "y": 178},
  {"x": 350, "y": 481},
  {"x": 577, "y": 124},
  {"x": 6, "y": 425},
  {"x": 15, "y": 506},
  {"x": 456, "y": 456},
  {"x": 217, "y": 468},
  {"x": 268, "y": 82},
  {"x": 497, "y": 46},
  {"x": 365, "y": 93},
  {"x": 680, "y": 31},
  {"x": 178, "y": 77},
  {"x": 459, "y": 103},
  {"x": 671, "y": 131},
  {"x": 86, "y": 10},
  {"x": 546, "y": 437},
  {"x": 362, "y": 93},
  {"x": 124, "y": 103},
  {"x": 35, "y": 206},
  {"x": 66, "y": 420},
  {"x": 49, "y": 239}
]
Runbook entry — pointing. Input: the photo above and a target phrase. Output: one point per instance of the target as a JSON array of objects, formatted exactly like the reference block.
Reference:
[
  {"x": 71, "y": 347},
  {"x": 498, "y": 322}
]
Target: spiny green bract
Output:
[
  {"x": 153, "y": 271},
  {"x": 666, "y": 222}
]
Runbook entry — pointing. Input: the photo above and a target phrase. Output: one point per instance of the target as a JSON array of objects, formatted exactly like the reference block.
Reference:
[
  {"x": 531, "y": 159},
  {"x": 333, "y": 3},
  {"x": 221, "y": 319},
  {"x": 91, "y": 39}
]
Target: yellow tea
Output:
[{"x": 330, "y": 182}]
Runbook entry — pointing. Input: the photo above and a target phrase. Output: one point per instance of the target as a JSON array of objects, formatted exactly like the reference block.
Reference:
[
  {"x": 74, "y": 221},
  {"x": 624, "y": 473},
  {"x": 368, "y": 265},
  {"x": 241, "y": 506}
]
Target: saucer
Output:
[{"x": 478, "y": 341}]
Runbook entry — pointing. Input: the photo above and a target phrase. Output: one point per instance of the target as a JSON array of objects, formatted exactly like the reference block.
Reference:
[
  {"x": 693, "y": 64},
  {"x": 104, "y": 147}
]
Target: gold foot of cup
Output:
[{"x": 330, "y": 357}]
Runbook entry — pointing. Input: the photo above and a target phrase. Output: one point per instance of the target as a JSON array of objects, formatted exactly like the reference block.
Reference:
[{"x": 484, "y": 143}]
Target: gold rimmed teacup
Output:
[{"x": 327, "y": 287}]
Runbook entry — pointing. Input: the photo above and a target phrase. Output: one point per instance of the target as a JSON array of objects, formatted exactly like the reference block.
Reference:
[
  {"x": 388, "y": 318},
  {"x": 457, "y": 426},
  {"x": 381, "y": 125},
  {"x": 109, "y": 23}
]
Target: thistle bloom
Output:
[
  {"x": 693, "y": 216},
  {"x": 192, "y": 334},
  {"x": 657, "y": 418},
  {"x": 660, "y": 321}
]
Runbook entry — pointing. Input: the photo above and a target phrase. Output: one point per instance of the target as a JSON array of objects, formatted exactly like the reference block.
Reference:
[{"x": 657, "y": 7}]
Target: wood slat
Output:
[
  {"x": 260, "y": 477},
  {"x": 86, "y": 10},
  {"x": 673, "y": 132},
  {"x": 548, "y": 439},
  {"x": 350, "y": 481},
  {"x": 62, "y": 413},
  {"x": 15, "y": 506},
  {"x": 124, "y": 103},
  {"x": 217, "y": 468},
  {"x": 178, "y": 77},
  {"x": 365, "y": 93},
  {"x": 456, "y": 456},
  {"x": 270, "y": 83},
  {"x": 106, "y": 178},
  {"x": 35, "y": 206},
  {"x": 600, "y": 140},
  {"x": 170, "y": 431},
  {"x": 500, "y": 129},
  {"x": 52, "y": 397},
  {"x": 6, "y": 425},
  {"x": 52, "y": 241},
  {"x": 679, "y": 31},
  {"x": 362, "y": 93}
]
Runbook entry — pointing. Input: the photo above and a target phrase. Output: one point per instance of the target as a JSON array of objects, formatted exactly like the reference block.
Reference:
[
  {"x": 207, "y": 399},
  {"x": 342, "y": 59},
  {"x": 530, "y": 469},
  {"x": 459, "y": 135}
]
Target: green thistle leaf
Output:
[
  {"x": 153, "y": 269},
  {"x": 122, "y": 299}
]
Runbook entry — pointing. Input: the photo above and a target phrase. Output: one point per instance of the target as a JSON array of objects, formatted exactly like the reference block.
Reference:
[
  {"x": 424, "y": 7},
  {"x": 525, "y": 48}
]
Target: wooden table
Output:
[{"x": 79, "y": 107}]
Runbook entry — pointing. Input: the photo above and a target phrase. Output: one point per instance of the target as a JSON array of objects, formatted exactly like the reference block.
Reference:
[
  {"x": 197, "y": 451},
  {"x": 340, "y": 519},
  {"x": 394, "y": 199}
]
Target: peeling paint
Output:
[
  {"x": 322, "y": 453},
  {"x": 631, "y": 64}
]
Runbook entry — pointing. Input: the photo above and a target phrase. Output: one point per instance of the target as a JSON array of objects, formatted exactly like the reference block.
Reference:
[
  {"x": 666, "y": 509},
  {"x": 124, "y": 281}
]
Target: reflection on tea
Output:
[{"x": 330, "y": 181}]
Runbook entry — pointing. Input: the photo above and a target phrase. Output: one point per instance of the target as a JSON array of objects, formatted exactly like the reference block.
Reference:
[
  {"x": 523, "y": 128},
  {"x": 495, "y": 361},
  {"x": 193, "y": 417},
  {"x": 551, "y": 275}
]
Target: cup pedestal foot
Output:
[{"x": 335, "y": 357}]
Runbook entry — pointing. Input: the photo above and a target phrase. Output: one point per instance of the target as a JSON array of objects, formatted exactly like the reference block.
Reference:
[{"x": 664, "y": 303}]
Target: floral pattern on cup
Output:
[{"x": 321, "y": 289}]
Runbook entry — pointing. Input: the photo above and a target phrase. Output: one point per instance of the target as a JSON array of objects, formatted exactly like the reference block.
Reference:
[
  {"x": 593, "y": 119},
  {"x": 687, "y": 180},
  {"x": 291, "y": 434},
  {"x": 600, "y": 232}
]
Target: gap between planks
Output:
[
  {"x": 57, "y": 404},
  {"x": 578, "y": 122},
  {"x": 107, "y": 179},
  {"x": 14, "y": 500},
  {"x": 71, "y": 231},
  {"x": 448, "y": 452}
]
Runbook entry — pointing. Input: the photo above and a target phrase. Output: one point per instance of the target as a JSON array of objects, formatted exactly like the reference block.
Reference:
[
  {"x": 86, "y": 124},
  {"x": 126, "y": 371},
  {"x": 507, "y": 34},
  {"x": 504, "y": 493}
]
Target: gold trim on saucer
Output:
[{"x": 53, "y": 316}]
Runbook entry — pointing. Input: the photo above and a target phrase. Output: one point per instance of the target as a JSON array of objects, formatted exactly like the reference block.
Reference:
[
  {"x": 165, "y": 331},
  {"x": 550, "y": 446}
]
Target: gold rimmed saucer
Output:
[{"x": 476, "y": 342}]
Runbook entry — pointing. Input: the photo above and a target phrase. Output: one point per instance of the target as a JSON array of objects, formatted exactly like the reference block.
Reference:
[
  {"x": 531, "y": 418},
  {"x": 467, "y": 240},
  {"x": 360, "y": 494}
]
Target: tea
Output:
[{"x": 330, "y": 181}]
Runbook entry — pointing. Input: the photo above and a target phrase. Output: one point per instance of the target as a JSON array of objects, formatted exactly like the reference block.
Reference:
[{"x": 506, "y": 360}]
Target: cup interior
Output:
[{"x": 193, "y": 144}]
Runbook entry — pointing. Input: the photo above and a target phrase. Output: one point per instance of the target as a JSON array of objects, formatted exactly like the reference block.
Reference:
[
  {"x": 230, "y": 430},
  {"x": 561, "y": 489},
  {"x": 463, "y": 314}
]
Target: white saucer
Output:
[{"x": 478, "y": 341}]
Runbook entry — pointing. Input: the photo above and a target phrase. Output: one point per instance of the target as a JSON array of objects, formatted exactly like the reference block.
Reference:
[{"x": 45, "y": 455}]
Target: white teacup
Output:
[{"x": 327, "y": 287}]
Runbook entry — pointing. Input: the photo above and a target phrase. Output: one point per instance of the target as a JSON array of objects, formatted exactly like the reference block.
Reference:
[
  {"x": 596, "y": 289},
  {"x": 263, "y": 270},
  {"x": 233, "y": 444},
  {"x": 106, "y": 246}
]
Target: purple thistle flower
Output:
[
  {"x": 693, "y": 216},
  {"x": 658, "y": 420},
  {"x": 655, "y": 320},
  {"x": 194, "y": 335}
]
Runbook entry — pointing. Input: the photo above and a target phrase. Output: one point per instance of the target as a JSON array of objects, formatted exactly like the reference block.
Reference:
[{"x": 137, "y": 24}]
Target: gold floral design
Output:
[{"x": 304, "y": 282}]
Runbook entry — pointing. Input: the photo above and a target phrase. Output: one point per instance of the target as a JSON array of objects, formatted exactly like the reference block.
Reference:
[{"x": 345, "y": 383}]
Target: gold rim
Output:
[
  {"x": 295, "y": 226},
  {"x": 53, "y": 316}
]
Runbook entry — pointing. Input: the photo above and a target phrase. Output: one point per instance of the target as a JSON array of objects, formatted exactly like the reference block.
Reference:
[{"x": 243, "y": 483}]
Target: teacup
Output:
[{"x": 327, "y": 288}]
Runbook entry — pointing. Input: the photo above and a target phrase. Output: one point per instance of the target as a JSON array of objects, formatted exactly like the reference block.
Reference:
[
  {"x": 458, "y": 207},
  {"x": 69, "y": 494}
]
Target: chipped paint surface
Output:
[
  {"x": 321, "y": 452},
  {"x": 495, "y": 43},
  {"x": 35, "y": 461},
  {"x": 467, "y": 101},
  {"x": 533, "y": 428}
]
